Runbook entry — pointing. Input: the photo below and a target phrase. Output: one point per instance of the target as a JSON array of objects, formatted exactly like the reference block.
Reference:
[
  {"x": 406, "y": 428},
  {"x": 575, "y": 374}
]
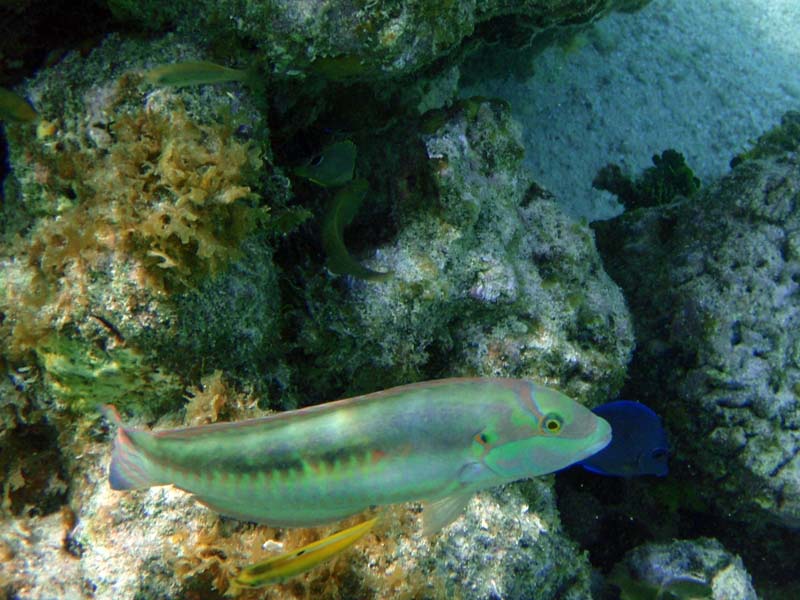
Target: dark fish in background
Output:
[
  {"x": 14, "y": 107},
  {"x": 333, "y": 168},
  {"x": 638, "y": 443}
]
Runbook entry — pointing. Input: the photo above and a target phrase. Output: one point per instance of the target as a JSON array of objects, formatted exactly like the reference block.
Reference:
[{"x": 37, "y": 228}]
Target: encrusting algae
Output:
[
  {"x": 166, "y": 205},
  {"x": 82, "y": 376}
]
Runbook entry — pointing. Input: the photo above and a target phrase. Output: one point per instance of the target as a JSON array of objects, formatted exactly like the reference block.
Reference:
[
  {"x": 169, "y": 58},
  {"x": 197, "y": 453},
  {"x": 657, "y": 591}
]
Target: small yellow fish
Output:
[
  {"x": 296, "y": 562},
  {"x": 14, "y": 107},
  {"x": 193, "y": 73}
]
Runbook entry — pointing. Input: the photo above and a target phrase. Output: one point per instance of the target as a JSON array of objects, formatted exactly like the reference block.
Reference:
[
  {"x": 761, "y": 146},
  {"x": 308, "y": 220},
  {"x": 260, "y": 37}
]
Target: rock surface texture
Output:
[
  {"x": 684, "y": 569},
  {"x": 139, "y": 267},
  {"x": 160, "y": 250},
  {"x": 342, "y": 40},
  {"x": 489, "y": 278},
  {"x": 714, "y": 285}
]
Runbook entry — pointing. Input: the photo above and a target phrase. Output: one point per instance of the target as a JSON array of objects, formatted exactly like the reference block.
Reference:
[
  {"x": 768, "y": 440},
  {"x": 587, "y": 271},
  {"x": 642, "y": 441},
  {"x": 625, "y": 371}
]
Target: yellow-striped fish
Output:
[{"x": 296, "y": 562}]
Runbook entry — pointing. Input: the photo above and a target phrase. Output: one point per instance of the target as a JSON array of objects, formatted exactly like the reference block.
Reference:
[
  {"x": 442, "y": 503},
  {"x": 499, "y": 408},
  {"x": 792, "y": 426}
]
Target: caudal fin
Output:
[{"x": 131, "y": 468}]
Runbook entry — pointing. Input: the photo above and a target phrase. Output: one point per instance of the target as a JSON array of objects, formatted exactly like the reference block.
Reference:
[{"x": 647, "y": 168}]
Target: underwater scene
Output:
[{"x": 399, "y": 299}]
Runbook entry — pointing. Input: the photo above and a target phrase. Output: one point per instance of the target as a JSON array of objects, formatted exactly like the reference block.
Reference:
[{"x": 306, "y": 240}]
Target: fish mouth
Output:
[{"x": 604, "y": 430}]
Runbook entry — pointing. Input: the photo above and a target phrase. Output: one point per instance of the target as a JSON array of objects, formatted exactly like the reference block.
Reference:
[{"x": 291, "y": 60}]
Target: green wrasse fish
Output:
[
  {"x": 296, "y": 562},
  {"x": 194, "y": 73},
  {"x": 437, "y": 441}
]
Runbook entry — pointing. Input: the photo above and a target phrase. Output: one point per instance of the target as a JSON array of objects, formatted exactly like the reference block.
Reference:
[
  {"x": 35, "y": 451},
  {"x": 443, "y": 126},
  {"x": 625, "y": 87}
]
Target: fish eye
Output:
[
  {"x": 659, "y": 454},
  {"x": 552, "y": 423}
]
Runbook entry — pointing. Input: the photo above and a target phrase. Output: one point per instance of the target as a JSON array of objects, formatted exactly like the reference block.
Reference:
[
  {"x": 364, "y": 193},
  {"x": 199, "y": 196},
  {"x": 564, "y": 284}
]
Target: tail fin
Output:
[{"x": 131, "y": 468}]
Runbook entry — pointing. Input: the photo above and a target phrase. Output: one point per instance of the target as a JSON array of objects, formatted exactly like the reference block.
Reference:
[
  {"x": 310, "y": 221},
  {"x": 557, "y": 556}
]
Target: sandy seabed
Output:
[{"x": 705, "y": 78}]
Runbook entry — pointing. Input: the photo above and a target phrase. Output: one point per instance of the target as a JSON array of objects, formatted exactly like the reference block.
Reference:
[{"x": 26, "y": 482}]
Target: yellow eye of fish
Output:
[{"x": 552, "y": 423}]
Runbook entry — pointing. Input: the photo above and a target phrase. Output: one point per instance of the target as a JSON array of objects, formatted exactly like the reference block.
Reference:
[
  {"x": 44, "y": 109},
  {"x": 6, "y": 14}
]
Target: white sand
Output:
[{"x": 704, "y": 78}]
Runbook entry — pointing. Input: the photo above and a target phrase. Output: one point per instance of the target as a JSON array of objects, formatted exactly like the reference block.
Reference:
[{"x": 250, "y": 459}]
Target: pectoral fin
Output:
[
  {"x": 442, "y": 512},
  {"x": 476, "y": 475}
]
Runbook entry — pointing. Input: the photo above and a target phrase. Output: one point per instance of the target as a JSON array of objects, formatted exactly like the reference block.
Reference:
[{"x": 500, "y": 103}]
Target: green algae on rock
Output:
[
  {"x": 338, "y": 40},
  {"x": 115, "y": 223},
  {"x": 778, "y": 140},
  {"x": 82, "y": 377},
  {"x": 483, "y": 264},
  {"x": 712, "y": 283},
  {"x": 668, "y": 178}
]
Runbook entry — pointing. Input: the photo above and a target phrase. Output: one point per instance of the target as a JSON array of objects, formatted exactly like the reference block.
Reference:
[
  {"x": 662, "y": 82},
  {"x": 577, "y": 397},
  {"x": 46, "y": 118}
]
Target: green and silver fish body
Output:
[{"x": 438, "y": 441}]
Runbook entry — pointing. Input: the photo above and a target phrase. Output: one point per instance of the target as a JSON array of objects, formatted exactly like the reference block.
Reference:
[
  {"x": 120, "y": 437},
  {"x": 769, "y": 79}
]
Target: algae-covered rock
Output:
[
  {"x": 713, "y": 283},
  {"x": 682, "y": 569},
  {"x": 340, "y": 40},
  {"x": 133, "y": 229},
  {"x": 82, "y": 376},
  {"x": 489, "y": 278},
  {"x": 510, "y": 545},
  {"x": 669, "y": 177}
]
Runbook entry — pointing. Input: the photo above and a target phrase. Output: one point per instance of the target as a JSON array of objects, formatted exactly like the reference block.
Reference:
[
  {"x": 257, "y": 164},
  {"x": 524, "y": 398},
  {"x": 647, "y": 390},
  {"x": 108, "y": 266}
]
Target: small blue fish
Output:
[{"x": 638, "y": 442}]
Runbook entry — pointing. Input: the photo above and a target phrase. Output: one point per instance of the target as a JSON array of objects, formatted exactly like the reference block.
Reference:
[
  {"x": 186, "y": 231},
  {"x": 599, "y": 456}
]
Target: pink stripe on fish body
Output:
[{"x": 319, "y": 464}]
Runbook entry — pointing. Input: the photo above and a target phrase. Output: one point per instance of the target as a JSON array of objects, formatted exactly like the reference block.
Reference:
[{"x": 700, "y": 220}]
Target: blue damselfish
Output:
[{"x": 638, "y": 444}]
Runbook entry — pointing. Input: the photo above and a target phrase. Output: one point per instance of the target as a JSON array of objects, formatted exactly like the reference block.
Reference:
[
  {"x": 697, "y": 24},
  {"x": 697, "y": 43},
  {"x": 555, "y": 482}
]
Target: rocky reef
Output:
[
  {"x": 713, "y": 282},
  {"x": 163, "y": 251},
  {"x": 160, "y": 254},
  {"x": 491, "y": 274},
  {"x": 120, "y": 209},
  {"x": 699, "y": 568},
  {"x": 712, "y": 285},
  {"x": 362, "y": 41}
]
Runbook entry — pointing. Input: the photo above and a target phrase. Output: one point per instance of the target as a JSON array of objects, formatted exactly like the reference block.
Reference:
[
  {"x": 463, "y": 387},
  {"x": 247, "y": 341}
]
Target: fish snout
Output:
[
  {"x": 594, "y": 431},
  {"x": 602, "y": 435}
]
